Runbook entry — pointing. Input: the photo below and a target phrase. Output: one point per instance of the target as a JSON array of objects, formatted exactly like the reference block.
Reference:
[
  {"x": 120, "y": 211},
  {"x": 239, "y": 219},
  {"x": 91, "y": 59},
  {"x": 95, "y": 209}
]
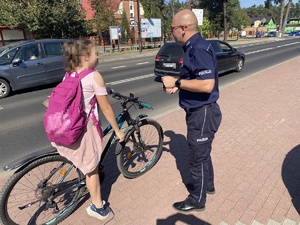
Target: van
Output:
[
  {"x": 243, "y": 33},
  {"x": 26, "y": 64}
]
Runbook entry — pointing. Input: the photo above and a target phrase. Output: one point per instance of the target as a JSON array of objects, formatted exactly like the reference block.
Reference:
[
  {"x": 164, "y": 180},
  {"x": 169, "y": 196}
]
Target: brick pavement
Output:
[{"x": 256, "y": 156}]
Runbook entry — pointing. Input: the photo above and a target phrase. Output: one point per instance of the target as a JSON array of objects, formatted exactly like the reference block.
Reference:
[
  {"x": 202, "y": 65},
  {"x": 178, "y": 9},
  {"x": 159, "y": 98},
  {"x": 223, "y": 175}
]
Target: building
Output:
[
  {"x": 261, "y": 24},
  {"x": 292, "y": 24},
  {"x": 129, "y": 6}
]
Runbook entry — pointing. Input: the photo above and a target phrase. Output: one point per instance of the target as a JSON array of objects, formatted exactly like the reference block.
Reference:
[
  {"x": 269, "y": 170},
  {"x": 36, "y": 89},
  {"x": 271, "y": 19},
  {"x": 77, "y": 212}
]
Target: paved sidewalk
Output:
[{"x": 256, "y": 157}]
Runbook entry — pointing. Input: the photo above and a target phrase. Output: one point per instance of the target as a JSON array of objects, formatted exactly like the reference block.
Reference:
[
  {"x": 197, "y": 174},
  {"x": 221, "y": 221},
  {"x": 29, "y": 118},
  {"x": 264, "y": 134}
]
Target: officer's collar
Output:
[{"x": 189, "y": 43}]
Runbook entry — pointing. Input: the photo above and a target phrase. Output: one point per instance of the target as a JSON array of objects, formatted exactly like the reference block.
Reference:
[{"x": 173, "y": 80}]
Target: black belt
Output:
[{"x": 199, "y": 108}]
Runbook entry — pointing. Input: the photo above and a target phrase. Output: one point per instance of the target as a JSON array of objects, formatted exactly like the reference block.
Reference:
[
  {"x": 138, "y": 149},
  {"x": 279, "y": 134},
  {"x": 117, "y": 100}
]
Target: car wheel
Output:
[
  {"x": 239, "y": 65},
  {"x": 4, "y": 88}
]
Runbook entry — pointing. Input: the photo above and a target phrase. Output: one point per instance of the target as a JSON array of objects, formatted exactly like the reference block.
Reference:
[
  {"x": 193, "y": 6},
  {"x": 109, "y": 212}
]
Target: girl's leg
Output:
[{"x": 93, "y": 185}]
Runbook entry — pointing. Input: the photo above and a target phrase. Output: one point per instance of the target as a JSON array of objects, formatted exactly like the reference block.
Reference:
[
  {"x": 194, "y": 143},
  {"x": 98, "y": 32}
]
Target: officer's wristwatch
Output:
[{"x": 178, "y": 83}]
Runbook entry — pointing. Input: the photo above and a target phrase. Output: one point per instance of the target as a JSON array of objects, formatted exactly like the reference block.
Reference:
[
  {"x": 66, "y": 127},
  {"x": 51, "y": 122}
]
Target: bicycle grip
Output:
[
  {"x": 144, "y": 104},
  {"x": 110, "y": 91}
]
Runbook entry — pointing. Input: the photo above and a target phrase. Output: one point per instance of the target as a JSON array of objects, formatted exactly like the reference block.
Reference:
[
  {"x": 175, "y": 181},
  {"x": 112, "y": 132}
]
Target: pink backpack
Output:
[{"x": 65, "y": 119}]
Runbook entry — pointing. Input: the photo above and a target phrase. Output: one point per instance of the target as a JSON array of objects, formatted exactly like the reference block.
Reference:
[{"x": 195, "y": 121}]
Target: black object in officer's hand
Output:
[{"x": 158, "y": 79}]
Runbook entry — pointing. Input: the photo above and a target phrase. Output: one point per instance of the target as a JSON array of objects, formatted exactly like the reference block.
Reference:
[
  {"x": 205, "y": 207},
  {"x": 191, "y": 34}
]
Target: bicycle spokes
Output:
[
  {"x": 140, "y": 148},
  {"x": 42, "y": 193}
]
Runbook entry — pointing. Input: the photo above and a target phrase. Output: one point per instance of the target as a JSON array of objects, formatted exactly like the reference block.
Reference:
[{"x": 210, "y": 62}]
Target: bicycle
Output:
[{"x": 47, "y": 187}]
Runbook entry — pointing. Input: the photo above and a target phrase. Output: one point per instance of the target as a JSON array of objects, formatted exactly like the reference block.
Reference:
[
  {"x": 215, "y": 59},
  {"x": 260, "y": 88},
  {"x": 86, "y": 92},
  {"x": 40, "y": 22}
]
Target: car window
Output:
[
  {"x": 216, "y": 47},
  {"x": 7, "y": 57},
  {"x": 53, "y": 49},
  {"x": 225, "y": 48},
  {"x": 29, "y": 52},
  {"x": 10, "y": 46},
  {"x": 171, "y": 50}
]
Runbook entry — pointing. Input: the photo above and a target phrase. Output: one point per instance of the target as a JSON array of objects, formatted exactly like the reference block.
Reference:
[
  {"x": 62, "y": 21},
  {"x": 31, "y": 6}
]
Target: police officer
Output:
[{"x": 198, "y": 95}]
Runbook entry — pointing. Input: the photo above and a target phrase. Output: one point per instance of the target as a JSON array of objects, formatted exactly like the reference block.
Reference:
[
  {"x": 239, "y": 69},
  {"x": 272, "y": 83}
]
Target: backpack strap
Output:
[{"x": 81, "y": 75}]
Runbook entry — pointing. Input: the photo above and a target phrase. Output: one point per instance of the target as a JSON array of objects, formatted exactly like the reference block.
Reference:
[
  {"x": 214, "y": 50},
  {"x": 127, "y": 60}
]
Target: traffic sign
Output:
[{"x": 199, "y": 15}]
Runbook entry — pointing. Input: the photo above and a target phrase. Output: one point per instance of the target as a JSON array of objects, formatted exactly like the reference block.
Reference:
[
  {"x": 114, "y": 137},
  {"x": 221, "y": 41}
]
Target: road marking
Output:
[
  {"x": 117, "y": 67},
  {"x": 1, "y": 107},
  {"x": 267, "y": 49},
  {"x": 130, "y": 79},
  {"x": 142, "y": 63}
]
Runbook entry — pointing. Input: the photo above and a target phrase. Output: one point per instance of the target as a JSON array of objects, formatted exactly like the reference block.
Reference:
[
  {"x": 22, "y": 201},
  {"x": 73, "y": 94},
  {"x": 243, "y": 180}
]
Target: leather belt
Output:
[{"x": 199, "y": 108}]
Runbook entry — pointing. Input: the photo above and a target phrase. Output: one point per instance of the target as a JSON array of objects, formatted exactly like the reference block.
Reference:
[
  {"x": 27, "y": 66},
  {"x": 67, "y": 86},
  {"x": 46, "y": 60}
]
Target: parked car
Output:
[
  {"x": 294, "y": 33},
  {"x": 260, "y": 34},
  {"x": 272, "y": 34},
  {"x": 31, "y": 63},
  {"x": 170, "y": 57}
]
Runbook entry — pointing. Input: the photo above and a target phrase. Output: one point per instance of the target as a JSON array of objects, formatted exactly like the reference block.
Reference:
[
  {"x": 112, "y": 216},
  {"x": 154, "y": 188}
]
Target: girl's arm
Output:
[{"x": 106, "y": 108}]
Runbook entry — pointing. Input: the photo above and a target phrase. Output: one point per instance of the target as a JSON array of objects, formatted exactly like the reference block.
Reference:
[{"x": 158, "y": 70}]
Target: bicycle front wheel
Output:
[
  {"x": 44, "y": 192},
  {"x": 142, "y": 149}
]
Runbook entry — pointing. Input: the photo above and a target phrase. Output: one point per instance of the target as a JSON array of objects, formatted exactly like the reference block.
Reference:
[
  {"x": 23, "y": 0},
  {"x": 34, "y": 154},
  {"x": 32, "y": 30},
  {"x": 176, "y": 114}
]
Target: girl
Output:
[{"x": 86, "y": 152}]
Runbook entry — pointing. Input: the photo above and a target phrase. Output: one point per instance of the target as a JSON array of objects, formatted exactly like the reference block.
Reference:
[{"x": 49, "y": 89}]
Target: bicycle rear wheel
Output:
[
  {"x": 44, "y": 192},
  {"x": 142, "y": 149}
]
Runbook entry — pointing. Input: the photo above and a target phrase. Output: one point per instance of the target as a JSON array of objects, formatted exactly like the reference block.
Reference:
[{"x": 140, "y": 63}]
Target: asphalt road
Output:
[{"x": 21, "y": 115}]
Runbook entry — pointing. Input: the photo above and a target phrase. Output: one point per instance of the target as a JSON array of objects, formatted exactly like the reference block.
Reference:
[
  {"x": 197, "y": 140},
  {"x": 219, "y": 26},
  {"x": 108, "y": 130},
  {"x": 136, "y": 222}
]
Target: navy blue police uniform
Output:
[{"x": 203, "y": 115}]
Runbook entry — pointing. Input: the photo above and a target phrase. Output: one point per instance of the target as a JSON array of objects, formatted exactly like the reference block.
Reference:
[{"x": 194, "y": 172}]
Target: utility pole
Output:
[
  {"x": 134, "y": 27},
  {"x": 225, "y": 19},
  {"x": 139, "y": 26},
  {"x": 173, "y": 8}
]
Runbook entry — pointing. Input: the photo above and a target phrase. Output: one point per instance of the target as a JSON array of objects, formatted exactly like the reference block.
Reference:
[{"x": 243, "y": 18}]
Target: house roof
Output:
[{"x": 260, "y": 18}]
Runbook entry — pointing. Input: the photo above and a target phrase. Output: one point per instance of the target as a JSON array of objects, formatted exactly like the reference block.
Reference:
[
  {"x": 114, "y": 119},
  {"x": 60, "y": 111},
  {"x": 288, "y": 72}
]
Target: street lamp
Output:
[{"x": 164, "y": 17}]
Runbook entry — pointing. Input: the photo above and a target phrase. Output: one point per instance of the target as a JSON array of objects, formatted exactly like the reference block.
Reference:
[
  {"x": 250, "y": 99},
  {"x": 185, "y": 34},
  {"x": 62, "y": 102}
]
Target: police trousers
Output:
[{"x": 202, "y": 124}]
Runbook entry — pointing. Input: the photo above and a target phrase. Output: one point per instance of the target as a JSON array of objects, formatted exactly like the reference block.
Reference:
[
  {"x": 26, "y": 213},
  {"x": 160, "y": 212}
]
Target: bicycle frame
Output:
[{"x": 121, "y": 118}]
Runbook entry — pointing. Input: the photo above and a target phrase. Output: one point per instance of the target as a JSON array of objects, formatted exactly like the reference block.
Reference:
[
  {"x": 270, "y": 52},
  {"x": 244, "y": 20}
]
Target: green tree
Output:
[
  {"x": 282, "y": 3},
  {"x": 104, "y": 14},
  {"x": 295, "y": 10},
  {"x": 125, "y": 29},
  {"x": 235, "y": 15},
  {"x": 204, "y": 29},
  {"x": 152, "y": 8},
  {"x": 213, "y": 11},
  {"x": 45, "y": 18}
]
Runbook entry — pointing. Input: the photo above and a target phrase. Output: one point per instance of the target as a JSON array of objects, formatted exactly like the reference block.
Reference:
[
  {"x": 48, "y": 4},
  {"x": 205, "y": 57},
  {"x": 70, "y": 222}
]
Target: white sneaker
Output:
[{"x": 100, "y": 213}]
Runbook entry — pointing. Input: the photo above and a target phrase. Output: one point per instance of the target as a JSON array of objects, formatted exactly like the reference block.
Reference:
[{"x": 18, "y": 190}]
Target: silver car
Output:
[{"x": 31, "y": 63}]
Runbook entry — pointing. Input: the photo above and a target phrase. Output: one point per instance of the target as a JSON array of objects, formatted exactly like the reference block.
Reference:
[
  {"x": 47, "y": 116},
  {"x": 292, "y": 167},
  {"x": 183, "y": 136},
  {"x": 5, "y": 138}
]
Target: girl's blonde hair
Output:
[{"x": 73, "y": 51}]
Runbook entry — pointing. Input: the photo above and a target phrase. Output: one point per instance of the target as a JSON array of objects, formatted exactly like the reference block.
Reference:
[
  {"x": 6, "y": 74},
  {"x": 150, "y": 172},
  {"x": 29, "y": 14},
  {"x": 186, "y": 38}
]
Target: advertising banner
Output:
[{"x": 150, "y": 28}]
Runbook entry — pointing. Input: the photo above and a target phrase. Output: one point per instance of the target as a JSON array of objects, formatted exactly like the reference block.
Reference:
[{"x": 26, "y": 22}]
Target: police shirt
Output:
[{"x": 199, "y": 62}]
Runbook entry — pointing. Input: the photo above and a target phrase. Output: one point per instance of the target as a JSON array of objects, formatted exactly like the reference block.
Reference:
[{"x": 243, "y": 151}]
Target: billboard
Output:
[{"x": 150, "y": 28}]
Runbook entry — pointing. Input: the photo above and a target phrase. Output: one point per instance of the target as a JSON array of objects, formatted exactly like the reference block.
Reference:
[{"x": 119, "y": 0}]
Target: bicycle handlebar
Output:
[{"x": 127, "y": 99}]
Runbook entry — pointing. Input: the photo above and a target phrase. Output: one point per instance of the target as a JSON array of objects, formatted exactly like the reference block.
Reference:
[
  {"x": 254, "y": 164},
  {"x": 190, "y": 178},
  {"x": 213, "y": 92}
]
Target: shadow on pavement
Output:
[
  {"x": 111, "y": 172},
  {"x": 290, "y": 174},
  {"x": 182, "y": 219},
  {"x": 179, "y": 149}
]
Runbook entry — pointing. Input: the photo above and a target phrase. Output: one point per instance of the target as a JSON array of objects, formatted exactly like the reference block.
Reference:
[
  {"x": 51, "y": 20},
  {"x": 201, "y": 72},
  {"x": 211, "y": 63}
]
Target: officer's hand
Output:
[
  {"x": 168, "y": 81},
  {"x": 171, "y": 90}
]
